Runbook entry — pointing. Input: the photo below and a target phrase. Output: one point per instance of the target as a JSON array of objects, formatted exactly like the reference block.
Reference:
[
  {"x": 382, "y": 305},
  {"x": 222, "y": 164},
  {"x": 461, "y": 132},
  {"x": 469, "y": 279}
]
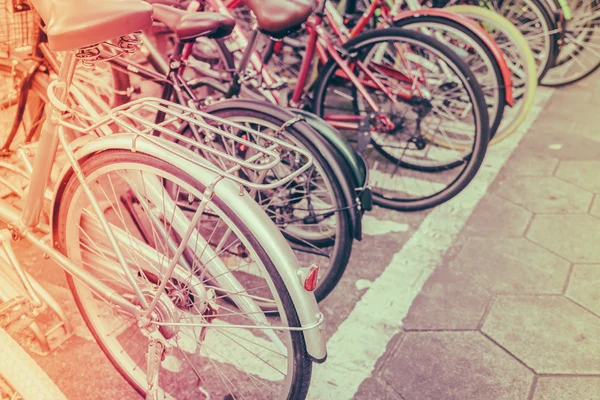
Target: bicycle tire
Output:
[
  {"x": 68, "y": 197},
  {"x": 22, "y": 374},
  {"x": 547, "y": 19},
  {"x": 584, "y": 41},
  {"x": 496, "y": 119},
  {"x": 525, "y": 54},
  {"x": 474, "y": 90},
  {"x": 322, "y": 158}
]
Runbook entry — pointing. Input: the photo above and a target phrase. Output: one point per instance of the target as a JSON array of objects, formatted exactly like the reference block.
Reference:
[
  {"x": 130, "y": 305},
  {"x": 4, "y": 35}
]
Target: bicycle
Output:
[
  {"x": 415, "y": 189},
  {"x": 210, "y": 242},
  {"x": 320, "y": 213}
]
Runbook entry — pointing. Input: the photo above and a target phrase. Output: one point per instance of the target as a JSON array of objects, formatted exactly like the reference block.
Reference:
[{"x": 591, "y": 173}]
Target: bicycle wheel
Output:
[
  {"x": 20, "y": 376},
  {"x": 310, "y": 211},
  {"x": 536, "y": 23},
  {"x": 520, "y": 60},
  {"x": 476, "y": 54},
  {"x": 429, "y": 96},
  {"x": 580, "y": 54},
  {"x": 235, "y": 353}
]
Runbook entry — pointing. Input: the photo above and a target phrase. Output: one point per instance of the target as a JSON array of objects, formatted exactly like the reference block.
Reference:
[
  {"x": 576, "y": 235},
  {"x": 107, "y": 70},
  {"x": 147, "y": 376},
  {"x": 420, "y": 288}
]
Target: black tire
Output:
[
  {"x": 475, "y": 94},
  {"x": 302, "y": 364},
  {"x": 322, "y": 157},
  {"x": 435, "y": 20}
]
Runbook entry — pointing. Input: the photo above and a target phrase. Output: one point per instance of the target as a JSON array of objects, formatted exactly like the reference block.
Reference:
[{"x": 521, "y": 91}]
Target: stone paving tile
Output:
[
  {"x": 562, "y": 145},
  {"x": 511, "y": 265},
  {"x": 484, "y": 220},
  {"x": 376, "y": 388},
  {"x": 557, "y": 108},
  {"x": 584, "y": 287},
  {"x": 587, "y": 129},
  {"x": 548, "y": 125},
  {"x": 550, "y": 334},
  {"x": 448, "y": 301},
  {"x": 455, "y": 365},
  {"x": 545, "y": 195},
  {"x": 567, "y": 388},
  {"x": 581, "y": 173},
  {"x": 574, "y": 237},
  {"x": 529, "y": 163}
]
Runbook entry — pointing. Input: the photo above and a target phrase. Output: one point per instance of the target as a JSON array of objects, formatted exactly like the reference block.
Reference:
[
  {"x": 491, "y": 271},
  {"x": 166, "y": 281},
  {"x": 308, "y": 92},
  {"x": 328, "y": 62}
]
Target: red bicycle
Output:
[{"x": 406, "y": 101}]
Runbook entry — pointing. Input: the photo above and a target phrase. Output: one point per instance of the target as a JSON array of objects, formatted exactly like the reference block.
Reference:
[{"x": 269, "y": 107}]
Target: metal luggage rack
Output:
[{"x": 229, "y": 149}]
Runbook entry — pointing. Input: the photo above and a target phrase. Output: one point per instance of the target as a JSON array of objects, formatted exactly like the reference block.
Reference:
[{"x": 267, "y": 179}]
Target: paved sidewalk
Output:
[{"x": 514, "y": 310}]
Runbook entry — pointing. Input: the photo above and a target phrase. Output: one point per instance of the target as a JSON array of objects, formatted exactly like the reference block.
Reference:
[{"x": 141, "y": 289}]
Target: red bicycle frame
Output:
[
  {"x": 471, "y": 25},
  {"x": 319, "y": 43}
]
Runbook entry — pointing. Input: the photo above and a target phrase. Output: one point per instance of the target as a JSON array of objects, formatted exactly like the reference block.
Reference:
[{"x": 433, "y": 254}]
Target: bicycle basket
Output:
[{"x": 18, "y": 28}]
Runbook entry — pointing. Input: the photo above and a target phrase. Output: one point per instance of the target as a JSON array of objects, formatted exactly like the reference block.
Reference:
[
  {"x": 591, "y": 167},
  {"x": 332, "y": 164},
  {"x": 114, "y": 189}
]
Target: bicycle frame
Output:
[{"x": 320, "y": 44}]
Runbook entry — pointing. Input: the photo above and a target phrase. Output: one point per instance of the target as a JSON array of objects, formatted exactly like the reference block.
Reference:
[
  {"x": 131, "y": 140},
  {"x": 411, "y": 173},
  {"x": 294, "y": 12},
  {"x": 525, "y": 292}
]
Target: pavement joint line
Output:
[
  {"x": 486, "y": 311},
  {"x": 581, "y": 306},
  {"x": 498, "y": 345},
  {"x": 533, "y": 387},
  {"x": 527, "y": 238},
  {"x": 377, "y": 317},
  {"x": 568, "y": 279}
]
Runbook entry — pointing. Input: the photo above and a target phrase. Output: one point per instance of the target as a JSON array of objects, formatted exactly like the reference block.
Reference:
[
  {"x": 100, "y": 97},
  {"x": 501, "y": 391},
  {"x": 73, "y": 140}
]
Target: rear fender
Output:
[
  {"x": 271, "y": 239},
  {"x": 477, "y": 30}
]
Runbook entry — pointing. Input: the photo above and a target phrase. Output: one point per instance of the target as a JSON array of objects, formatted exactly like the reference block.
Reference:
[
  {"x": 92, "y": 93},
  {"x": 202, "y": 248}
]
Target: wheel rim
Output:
[{"x": 116, "y": 331}]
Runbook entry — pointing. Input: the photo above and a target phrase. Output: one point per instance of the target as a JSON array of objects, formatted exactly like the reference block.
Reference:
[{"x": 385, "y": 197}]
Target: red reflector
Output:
[{"x": 310, "y": 282}]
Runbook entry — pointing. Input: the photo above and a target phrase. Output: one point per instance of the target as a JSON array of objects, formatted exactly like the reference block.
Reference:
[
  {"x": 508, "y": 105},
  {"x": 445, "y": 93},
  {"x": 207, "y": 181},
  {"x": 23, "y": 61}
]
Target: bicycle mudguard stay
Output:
[
  {"x": 271, "y": 239},
  {"x": 341, "y": 166},
  {"x": 477, "y": 30}
]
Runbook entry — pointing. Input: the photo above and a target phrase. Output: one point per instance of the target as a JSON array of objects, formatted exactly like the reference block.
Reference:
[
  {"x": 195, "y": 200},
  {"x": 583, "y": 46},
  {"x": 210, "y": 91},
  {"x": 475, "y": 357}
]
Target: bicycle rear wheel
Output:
[
  {"x": 580, "y": 54},
  {"x": 478, "y": 56},
  {"x": 310, "y": 211},
  {"x": 20, "y": 376},
  {"x": 442, "y": 103},
  {"x": 536, "y": 24},
  {"x": 240, "y": 351},
  {"x": 520, "y": 60}
]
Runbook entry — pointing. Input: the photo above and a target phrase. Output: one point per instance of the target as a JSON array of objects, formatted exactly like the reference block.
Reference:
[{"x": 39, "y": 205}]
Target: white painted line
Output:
[
  {"x": 373, "y": 226},
  {"x": 362, "y": 338}
]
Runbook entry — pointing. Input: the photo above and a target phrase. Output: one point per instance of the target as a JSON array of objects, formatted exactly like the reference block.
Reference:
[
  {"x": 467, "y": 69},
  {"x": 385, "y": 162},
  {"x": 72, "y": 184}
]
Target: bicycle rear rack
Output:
[{"x": 235, "y": 151}]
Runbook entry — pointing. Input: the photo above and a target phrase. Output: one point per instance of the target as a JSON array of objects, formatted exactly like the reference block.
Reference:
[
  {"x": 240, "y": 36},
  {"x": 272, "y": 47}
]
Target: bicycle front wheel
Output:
[
  {"x": 238, "y": 351},
  {"x": 20, "y": 376},
  {"x": 420, "y": 109}
]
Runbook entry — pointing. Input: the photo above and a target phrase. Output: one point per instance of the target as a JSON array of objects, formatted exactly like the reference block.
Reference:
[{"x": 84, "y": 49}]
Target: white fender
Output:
[{"x": 254, "y": 217}]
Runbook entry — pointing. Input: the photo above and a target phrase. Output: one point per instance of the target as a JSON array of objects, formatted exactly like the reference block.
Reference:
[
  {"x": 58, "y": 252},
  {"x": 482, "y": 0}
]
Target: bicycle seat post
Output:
[{"x": 48, "y": 145}]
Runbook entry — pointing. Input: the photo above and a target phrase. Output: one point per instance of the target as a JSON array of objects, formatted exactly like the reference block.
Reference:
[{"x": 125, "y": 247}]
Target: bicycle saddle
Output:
[
  {"x": 189, "y": 26},
  {"x": 277, "y": 18},
  {"x": 73, "y": 24}
]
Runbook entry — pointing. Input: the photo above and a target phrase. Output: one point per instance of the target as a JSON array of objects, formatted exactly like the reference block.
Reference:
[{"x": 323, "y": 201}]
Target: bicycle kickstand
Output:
[{"x": 155, "y": 356}]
